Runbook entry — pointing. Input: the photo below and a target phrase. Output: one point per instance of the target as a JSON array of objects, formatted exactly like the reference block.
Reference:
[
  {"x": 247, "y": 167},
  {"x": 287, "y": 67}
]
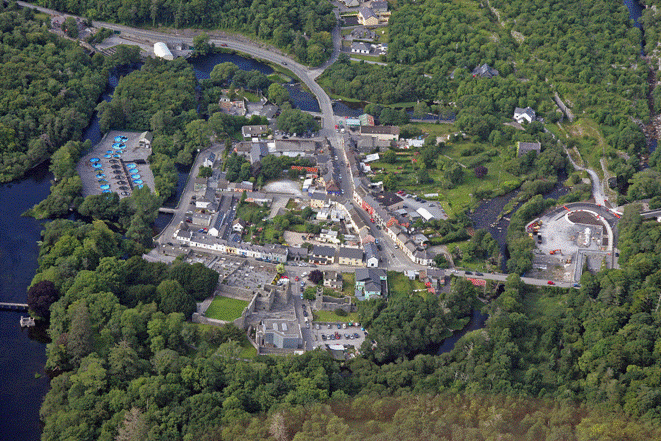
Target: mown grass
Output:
[
  {"x": 331, "y": 317},
  {"x": 400, "y": 285},
  {"x": 225, "y": 308}
]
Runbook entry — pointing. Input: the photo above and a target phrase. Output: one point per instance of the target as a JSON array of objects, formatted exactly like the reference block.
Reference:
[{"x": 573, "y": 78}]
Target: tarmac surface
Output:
[{"x": 114, "y": 169}]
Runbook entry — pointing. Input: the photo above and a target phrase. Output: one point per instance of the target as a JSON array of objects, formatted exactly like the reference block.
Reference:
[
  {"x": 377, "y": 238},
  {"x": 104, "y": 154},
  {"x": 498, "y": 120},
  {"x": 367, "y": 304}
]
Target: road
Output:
[
  {"x": 503, "y": 278},
  {"x": 597, "y": 185},
  {"x": 394, "y": 258}
]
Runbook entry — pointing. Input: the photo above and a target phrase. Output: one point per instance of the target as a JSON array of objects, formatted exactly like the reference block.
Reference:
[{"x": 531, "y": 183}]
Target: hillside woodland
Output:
[
  {"x": 301, "y": 27},
  {"x": 50, "y": 87}
]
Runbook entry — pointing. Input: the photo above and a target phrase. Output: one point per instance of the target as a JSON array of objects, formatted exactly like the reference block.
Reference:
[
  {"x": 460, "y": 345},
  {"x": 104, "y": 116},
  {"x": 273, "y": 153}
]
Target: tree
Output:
[
  {"x": 134, "y": 427},
  {"x": 41, "y": 296},
  {"x": 173, "y": 298},
  {"x": 278, "y": 94},
  {"x": 223, "y": 72},
  {"x": 70, "y": 27},
  {"x": 79, "y": 342},
  {"x": 316, "y": 276},
  {"x": 205, "y": 172},
  {"x": 389, "y": 157},
  {"x": 201, "y": 44},
  {"x": 481, "y": 171},
  {"x": 296, "y": 121}
]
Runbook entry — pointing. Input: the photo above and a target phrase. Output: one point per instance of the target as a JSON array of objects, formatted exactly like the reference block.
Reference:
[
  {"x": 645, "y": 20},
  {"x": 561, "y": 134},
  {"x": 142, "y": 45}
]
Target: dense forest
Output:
[
  {"x": 50, "y": 87},
  {"x": 575, "y": 364},
  {"x": 588, "y": 54},
  {"x": 301, "y": 27}
]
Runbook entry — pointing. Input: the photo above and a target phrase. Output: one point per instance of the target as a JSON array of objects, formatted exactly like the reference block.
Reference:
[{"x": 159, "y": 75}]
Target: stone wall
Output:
[{"x": 326, "y": 303}]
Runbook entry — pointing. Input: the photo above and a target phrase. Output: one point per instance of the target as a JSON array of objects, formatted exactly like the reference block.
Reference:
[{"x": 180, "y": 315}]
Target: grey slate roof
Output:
[{"x": 351, "y": 253}]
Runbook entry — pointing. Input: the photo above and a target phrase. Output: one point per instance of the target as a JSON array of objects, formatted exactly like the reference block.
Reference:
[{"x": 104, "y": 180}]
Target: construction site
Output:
[{"x": 570, "y": 240}]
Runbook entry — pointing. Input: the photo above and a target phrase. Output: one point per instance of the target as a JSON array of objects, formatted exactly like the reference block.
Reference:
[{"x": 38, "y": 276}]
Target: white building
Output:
[
  {"x": 161, "y": 50},
  {"x": 524, "y": 115}
]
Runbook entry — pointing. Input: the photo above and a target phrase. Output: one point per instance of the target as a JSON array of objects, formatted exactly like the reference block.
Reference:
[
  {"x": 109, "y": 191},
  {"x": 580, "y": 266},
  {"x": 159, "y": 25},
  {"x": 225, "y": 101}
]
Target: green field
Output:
[
  {"x": 330, "y": 317},
  {"x": 226, "y": 309},
  {"x": 400, "y": 285},
  {"x": 466, "y": 153},
  {"x": 348, "y": 283}
]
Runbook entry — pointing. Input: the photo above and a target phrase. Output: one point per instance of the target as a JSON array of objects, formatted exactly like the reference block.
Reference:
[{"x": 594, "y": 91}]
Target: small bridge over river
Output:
[{"x": 5, "y": 306}]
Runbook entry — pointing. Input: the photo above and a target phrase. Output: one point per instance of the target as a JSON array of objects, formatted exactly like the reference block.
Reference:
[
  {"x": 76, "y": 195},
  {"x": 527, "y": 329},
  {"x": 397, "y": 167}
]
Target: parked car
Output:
[
  {"x": 323, "y": 336},
  {"x": 550, "y": 282},
  {"x": 339, "y": 326},
  {"x": 223, "y": 44},
  {"x": 355, "y": 335}
]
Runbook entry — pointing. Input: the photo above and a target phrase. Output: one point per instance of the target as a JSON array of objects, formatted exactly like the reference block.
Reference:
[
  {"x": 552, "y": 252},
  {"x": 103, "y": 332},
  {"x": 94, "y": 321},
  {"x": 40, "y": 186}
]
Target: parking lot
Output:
[
  {"x": 349, "y": 335},
  {"x": 109, "y": 168}
]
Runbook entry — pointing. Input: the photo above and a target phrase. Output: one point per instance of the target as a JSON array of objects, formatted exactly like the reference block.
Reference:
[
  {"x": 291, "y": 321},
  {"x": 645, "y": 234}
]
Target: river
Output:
[{"x": 21, "y": 393}]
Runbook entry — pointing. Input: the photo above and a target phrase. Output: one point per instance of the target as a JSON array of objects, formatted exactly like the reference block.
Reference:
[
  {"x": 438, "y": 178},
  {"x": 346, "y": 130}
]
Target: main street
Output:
[{"x": 394, "y": 258}]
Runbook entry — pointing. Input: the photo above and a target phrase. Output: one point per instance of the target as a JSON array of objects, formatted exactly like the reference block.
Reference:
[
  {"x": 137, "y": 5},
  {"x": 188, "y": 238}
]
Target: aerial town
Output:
[{"x": 333, "y": 219}]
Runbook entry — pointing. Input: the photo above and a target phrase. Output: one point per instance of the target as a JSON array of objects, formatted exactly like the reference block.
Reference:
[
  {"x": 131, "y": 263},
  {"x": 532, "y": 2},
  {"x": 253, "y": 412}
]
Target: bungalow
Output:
[
  {"x": 209, "y": 160},
  {"x": 360, "y": 48},
  {"x": 333, "y": 279},
  {"x": 238, "y": 226},
  {"x": 298, "y": 253},
  {"x": 524, "y": 115},
  {"x": 322, "y": 255},
  {"x": 382, "y": 133},
  {"x": 524, "y": 147},
  {"x": 371, "y": 255},
  {"x": 350, "y": 256},
  {"x": 485, "y": 71},
  {"x": 367, "y": 17},
  {"x": 371, "y": 282},
  {"x": 254, "y": 131}
]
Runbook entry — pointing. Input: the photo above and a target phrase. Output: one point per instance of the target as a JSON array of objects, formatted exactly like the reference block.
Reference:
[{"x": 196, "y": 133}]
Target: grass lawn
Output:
[
  {"x": 330, "y": 316},
  {"x": 591, "y": 143},
  {"x": 248, "y": 211},
  {"x": 400, "y": 285},
  {"x": 436, "y": 129},
  {"x": 348, "y": 283},
  {"x": 279, "y": 78},
  {"x": 456, "y": 199},
  {"x": 224, "y": 308},
  {"x": 366, "y": 57}
]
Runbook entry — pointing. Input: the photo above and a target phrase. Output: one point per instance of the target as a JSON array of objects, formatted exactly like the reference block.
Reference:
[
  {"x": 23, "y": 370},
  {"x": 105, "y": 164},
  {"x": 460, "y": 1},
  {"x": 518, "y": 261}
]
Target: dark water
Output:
[
  {"x": 21, "y": 393},
  {"x": 635, "y": 11},
  {"x": 162, "y": 221},
  {"x": 477, "y": 321},
  {"x": 182, "y": 176},
  {"x": 204, "y": 65},
  {"x": 302, "y": 100},
  {"x": 351, "y": 109}
]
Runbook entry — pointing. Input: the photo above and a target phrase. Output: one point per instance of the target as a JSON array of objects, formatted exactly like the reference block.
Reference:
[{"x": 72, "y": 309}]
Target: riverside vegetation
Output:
[{"x": 126, "y": 364}]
